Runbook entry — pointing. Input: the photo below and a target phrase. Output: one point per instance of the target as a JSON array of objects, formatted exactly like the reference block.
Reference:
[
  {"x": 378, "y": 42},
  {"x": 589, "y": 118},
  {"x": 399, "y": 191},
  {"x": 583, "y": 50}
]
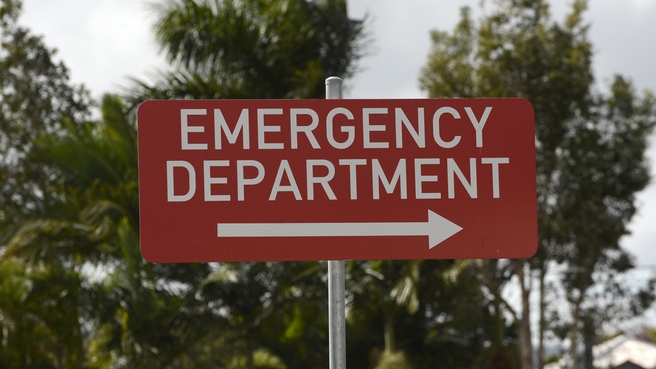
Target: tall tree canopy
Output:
[
  {"x": 266, "y": 49},
  {"x": 76, "y": 292},
  {"x": 590, "y": 147},
  {"x": 35, "y": 95}
]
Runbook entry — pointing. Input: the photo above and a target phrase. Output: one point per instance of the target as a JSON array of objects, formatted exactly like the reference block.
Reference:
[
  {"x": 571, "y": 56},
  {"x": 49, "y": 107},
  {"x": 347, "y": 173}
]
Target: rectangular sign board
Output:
[{"x": 266, "y": 180}]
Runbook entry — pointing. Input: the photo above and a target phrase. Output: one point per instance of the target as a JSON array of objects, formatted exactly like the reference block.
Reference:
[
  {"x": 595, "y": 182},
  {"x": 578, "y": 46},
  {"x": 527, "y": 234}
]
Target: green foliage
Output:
[
  {"x": 35, "y": 94},
  {"x": 393, "y": 360},
  {"x": 450, "y": 325},
  {"x": 258, "y": 49},
  {"x": 131, "y": 313},
  {"x": 42, "y": 304},
  {"x": 590, "y": 147},
  {"x": 252, "y": 49},
  {"x": 261, "y": 360},
  {"x": 75, "y": 291}
]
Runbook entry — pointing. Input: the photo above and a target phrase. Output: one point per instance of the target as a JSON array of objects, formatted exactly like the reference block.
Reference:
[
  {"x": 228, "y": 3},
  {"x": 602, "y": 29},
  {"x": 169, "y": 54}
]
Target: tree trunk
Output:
[
  {"x": 573, "y": 350},
  {"x": 390, "y": 340},
  {"x": 542, "y": 321},
  {"x": 588, "y": 339},
  {"x": 525, "y": 346},
  {"x": 250, "y": 354}
]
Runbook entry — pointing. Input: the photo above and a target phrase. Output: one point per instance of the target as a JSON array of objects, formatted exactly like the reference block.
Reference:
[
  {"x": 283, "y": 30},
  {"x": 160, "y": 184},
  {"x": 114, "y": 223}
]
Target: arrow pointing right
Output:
[{"x": 437, "y": 228}]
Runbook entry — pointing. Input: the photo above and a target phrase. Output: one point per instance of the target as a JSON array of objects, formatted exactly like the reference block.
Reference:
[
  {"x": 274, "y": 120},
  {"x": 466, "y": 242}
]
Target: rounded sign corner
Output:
[{"x": 151, "y": 256}]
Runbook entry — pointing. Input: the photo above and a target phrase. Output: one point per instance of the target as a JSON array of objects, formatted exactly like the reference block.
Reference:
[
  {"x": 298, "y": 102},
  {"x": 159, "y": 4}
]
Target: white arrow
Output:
[{"x": 437, "y": 228}]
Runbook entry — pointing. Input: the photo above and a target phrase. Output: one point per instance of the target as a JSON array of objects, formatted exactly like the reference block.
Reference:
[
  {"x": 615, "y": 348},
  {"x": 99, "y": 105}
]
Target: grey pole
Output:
[{"x": 336, "y": 284}]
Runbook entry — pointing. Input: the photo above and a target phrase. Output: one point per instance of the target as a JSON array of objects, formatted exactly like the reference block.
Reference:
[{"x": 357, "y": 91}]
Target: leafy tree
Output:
[
  {"x": 35, "y": 94},
  {"x": 417, "y": 313},
  {"x": 603, "y": 167},
  {"x": 76, "y": 214},
  {"x": 70, "y": 201},
  {"x": 253, "y": 49},
  {"x": 259, "y": 49},
  {"x": 589, "y": 147},
  {"x": 34, "y": 332},
  {"x": 278, "y": 308},
  {"x": 389, "y": 286},
  {"x": 137, "y": 314}
]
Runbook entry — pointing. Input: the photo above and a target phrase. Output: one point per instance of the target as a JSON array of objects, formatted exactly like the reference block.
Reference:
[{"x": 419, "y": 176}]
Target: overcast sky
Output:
[{"x": 105, "y": 41}]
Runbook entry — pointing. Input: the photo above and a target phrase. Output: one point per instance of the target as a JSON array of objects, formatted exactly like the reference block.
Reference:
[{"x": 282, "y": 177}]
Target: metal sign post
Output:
[{"x": 336, "y": 283}]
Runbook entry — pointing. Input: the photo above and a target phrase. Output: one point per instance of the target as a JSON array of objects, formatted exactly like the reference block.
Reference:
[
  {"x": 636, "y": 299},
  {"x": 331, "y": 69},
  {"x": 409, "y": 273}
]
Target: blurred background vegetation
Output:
[{"x": 76, "y": 293}]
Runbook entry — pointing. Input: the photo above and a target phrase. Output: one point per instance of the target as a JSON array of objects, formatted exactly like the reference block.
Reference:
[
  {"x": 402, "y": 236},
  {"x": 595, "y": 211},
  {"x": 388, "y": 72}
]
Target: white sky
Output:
[{"x": 105, "y": 41}]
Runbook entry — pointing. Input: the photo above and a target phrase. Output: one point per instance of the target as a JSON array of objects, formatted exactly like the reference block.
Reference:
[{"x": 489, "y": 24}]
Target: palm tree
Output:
[
  {"x": 83, "y": 228},
  {"x": 127, "y": 310},
  {"x": 258, "y": 49},
  {"x": 277, "y": 308},
  {"x": 388, "y": 289},
  {"x": 33, "y": 329},
  {"x": 265, "y": 49}
]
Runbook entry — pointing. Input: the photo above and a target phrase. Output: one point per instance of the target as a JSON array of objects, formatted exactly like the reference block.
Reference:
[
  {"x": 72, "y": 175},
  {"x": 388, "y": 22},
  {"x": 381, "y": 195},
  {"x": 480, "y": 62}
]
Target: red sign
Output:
[{"x": 259, "y": 180}]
